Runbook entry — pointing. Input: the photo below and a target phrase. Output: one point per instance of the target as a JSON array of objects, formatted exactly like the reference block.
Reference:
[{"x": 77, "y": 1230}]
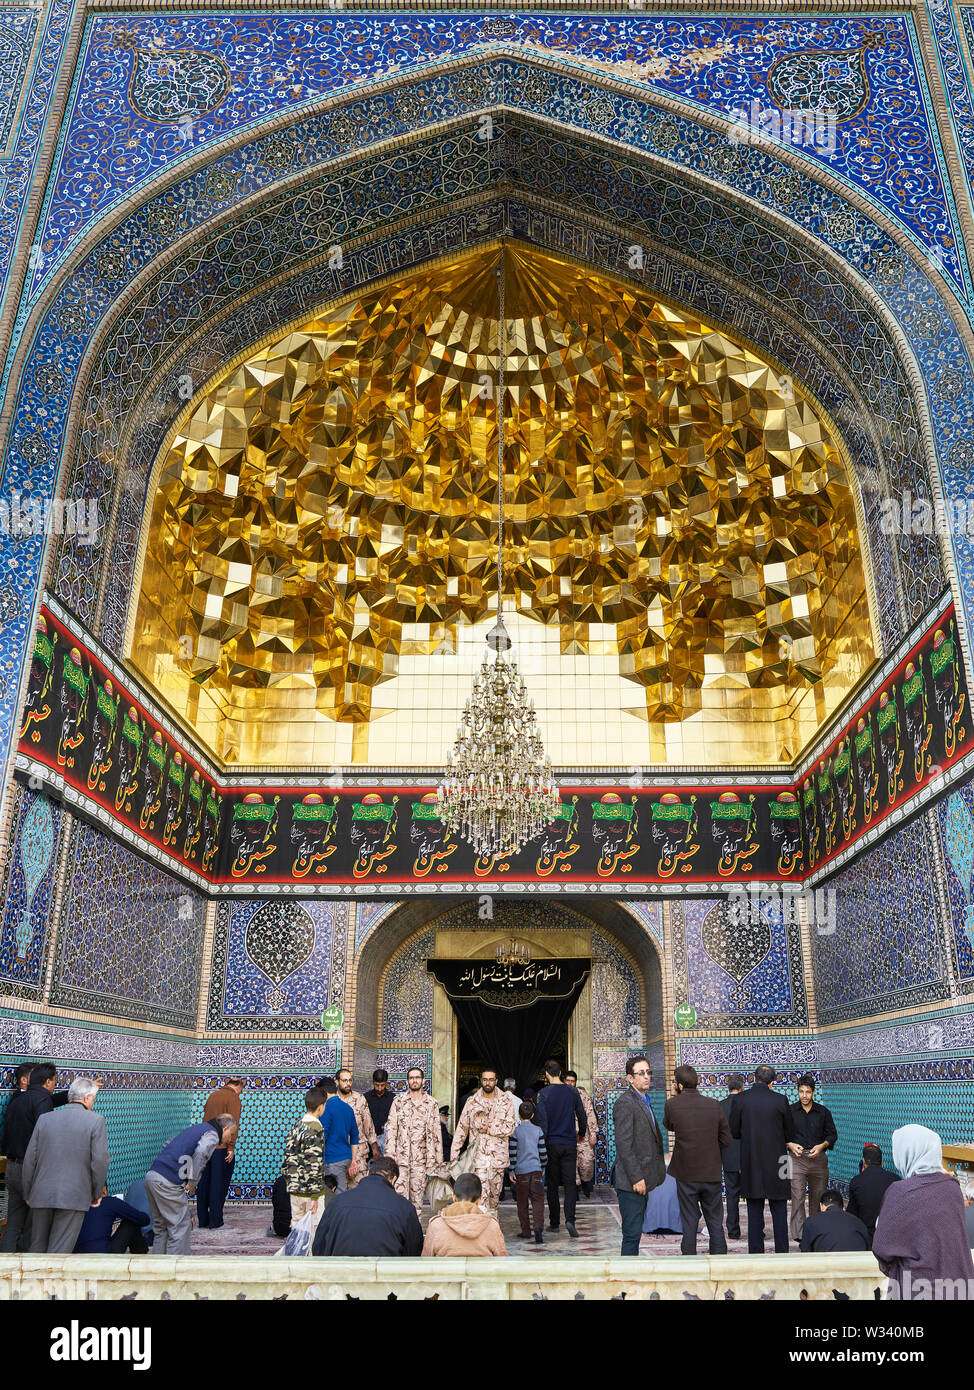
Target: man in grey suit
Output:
[
  {"x": 639, "y": 1163},
  {"x": 65, "y": 1168}
]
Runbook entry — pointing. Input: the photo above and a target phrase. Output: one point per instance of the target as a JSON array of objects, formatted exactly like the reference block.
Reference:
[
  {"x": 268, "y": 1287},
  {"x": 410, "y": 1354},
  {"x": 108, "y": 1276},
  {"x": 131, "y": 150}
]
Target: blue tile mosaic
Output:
[
  {"x": 367, "y": 918},
  {"x": 130, "y": 936},
  {"x": 884, "y": 949},
  {"x": 271, "y": 964},
  {"x": 152, "y": 89},
  {"x": 617, "y": 1010},
  {"x": 28, "y": 889},
  {"x": 24, "y": 127},
  {"x": 956, "y": 816},
  {"x": 738, "y": 973},
  {"x": 406, "y": 1014}
]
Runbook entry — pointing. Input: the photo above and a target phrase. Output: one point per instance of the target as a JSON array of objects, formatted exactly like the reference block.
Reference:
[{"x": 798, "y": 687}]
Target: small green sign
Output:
[
  {"x": 333, "y": 1018},
  {"x": 685, "y": 1015}
]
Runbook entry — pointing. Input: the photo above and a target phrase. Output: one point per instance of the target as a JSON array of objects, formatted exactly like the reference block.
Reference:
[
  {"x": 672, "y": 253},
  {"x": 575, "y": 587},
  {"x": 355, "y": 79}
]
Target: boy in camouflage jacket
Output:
[{"x": 303, "y": 1168}]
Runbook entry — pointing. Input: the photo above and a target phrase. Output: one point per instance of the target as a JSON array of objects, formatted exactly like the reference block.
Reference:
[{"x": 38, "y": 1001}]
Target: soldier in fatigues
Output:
[
  {"x": 585, "y": 1167},
  {"x": 488, "y": 1115},
  {"x": 413, "y": 1138},
  {"x": 367, "y": 1147}
]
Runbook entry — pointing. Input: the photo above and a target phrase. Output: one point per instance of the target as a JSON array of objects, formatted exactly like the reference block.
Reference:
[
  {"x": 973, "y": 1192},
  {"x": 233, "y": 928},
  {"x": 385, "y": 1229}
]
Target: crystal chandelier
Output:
[
  {"x": 499, "y": 791},
  {"x": 513, "y": 953}
]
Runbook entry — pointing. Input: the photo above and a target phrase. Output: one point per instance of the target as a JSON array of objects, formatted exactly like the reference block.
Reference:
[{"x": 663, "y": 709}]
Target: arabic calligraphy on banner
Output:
[
  {"x": 90, "y": 735},
  {"x": 515, "y": 986}
]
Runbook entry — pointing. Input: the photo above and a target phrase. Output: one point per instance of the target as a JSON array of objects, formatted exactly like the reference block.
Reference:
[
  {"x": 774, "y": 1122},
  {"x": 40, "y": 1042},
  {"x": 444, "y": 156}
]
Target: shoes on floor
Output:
[
  {"x": 553, "y": 1228},
  {"x": 570, "y": 1228},
  {"x": 524, "y": 1235},
  {"x": 539, "y": 1237}
]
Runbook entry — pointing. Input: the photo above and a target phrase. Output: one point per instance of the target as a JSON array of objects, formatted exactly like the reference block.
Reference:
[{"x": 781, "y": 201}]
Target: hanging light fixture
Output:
[
  {"x": 499, "y": 791},
  {"x": 513, "y": 952}
]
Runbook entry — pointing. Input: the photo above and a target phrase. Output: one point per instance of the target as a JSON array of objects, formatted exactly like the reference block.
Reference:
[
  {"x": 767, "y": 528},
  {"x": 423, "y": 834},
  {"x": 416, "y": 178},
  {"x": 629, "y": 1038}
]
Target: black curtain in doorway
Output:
[{"x": 513, "y": 1037}]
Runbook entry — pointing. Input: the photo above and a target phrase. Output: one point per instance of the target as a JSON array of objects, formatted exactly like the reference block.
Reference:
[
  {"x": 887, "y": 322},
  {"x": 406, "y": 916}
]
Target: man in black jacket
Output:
[
  {"x": 23, "y": 1111},
  {"x": 731, "y": 1160},
  {"x": 639, "y": 1165},
  {"x": 561, "y": 1117},
  {"x": 371, "y": 1219},
  {"x": 833, "y": 1229},
  {"x": 379, "y": 1100},
  {"x": 868, "y": 1188},
  {"x": 761, "y": 1119},
  {"x": 814, "y": 1136}
]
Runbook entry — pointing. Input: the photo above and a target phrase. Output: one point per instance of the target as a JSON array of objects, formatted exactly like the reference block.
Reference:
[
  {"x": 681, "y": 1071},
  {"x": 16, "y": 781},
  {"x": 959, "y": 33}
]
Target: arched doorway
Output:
[{"x": 404, "y": 1018}]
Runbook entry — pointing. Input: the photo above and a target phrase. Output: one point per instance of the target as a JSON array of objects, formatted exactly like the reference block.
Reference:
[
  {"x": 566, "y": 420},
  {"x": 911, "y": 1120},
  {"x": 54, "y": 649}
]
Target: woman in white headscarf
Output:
[{"x": 921, "y": 1235}]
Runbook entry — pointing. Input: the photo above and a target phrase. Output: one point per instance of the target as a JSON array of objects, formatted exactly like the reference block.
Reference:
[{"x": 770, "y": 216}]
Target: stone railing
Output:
[{"x": 107, "y": 1277}]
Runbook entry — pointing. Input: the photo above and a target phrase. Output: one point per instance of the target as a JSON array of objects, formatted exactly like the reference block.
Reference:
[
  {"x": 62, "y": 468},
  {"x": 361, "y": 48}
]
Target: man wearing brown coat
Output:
[
  {"x": 701, "y": 1131},
  {"x": 464, "y": 1228},
  {"x": 214, "y": 1182}
]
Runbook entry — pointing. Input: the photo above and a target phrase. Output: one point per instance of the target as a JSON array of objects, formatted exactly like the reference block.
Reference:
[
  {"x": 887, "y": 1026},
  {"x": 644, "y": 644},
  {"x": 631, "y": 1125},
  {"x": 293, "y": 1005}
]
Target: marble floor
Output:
[{"x": 597, "y": 1222}]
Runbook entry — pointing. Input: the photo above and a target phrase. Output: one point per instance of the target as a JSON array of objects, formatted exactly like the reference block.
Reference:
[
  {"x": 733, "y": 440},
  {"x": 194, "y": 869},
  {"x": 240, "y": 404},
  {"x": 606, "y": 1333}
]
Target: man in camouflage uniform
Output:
[
  {"x": 585, "y": 1167},
  {"x": 488, "y": 1116},
  {"x": 367, "y": 1146},
  {"x": 413, "y": 1138}
]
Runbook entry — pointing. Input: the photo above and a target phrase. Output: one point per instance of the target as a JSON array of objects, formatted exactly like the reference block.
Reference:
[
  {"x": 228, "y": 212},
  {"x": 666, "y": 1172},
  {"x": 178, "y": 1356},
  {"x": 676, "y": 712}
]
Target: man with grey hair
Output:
[
  {"x": 65, "y": 1168},
  {"x": 171, "y": 1181}
]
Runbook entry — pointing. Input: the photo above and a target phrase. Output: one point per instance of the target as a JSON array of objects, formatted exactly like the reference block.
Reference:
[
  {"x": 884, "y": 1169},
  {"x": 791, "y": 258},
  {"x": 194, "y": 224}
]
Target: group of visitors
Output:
[
  {"x": 56, "y": 1147},
  {"x": 349, "y": 1143},
  {"x": 361, "y": 1165},
  {"x": 767, "y": 1150}
]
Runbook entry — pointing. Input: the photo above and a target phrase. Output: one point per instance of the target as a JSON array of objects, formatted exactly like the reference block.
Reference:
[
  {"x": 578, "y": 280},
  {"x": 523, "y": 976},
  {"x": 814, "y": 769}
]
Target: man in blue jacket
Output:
[
  {"x": 559, "y": 1108},
  {"x": 99, "y": 1236},
  {"x": 172, "y": 1179},
  {"x": 341, "y": 1135}
]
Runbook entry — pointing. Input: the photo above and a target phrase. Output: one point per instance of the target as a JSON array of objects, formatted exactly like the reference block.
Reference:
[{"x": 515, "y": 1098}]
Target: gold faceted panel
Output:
[{"x": 680, "y": 549}]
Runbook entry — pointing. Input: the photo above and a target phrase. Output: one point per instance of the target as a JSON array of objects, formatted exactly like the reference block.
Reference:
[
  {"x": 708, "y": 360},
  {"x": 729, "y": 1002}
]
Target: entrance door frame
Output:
[{"x": 481, "y": 944}]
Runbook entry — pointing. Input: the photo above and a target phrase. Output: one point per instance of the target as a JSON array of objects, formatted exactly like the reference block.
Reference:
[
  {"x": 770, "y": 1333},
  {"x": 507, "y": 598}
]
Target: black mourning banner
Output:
[
  {"x": 514, "y": 1014},
  {"x": 510, "y": 986},
  {"x": 89, "y": 734}
]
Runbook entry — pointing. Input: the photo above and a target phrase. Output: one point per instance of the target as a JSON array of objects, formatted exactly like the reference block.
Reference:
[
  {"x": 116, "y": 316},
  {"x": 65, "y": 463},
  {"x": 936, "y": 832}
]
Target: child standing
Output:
[
  {"x": 303, "y": 1168},
  {"x": 528, "y": 1157}
]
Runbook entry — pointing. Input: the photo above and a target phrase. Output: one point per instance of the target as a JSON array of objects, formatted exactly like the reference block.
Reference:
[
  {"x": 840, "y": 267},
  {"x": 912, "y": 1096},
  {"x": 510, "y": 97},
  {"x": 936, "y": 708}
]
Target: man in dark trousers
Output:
[
  {"x": 371, "y": 1219},
  {"x": 701, "y": 1131},
  {"x": 868, "y": 1188},
  {"x": 24, "y": 1109},
  {"x": 814, "y": 1136},
  {"x": 65, "y": 1168},
  {"x": 379, "y": 1100},
  {"x": 214, "y": 1183},
  {"x": 833, "y": 1228},
  {"x": 639, "y": 1165},
  {"x": 559, "y": 1110},
  {"x": 731, "y": 1159},
  {"x": 761, "y": 1119}
]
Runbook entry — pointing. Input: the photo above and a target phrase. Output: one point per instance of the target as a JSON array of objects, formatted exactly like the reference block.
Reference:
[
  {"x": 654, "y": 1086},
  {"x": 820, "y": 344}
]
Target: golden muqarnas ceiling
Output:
[{"x": 331, "y": 503}]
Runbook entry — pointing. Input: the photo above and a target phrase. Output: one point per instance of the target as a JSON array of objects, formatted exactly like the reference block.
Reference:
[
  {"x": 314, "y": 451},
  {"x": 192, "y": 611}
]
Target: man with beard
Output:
[
  {"x": 413, "y": 1138},
  {"x": 585, "y": 1163},
  {"x": 367, "y": 1146},
  {"x": 379, "y": 1100},
  {"x": 489, "y": 1117}
]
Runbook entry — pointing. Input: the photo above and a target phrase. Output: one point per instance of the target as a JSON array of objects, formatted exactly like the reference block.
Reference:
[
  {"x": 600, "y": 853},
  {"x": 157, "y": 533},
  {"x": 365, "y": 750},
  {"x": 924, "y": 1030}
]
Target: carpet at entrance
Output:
[{"x": 597, "y": 1223}]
